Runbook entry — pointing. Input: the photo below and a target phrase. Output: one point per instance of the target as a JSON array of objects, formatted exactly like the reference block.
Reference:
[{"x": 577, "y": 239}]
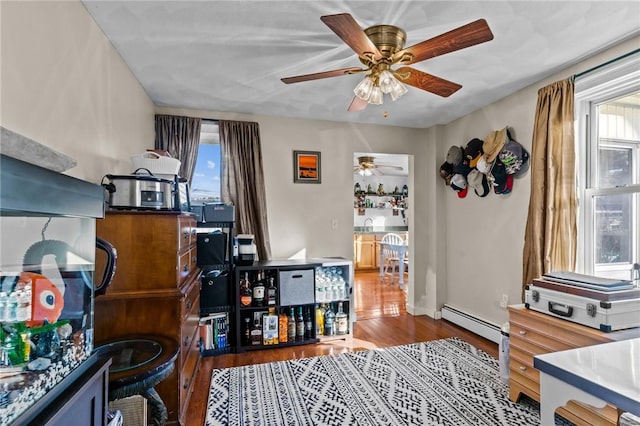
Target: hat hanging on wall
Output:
[
  {"x": 446, "y": 172},
  {"x": 454, "y": 155},
  {"x": 493, "y": 144},
  {"x": 459, "y": 184},
  {"x": 478, "y": 181}
]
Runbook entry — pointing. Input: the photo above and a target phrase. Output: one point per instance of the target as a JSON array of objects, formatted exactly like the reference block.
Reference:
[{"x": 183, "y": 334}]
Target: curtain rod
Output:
[{"x": 597, "y": 67}]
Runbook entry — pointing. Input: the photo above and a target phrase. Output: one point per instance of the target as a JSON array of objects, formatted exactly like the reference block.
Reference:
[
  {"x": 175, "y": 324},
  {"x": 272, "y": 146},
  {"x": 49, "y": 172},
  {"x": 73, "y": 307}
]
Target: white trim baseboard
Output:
[{"x": 474, "y": 324}]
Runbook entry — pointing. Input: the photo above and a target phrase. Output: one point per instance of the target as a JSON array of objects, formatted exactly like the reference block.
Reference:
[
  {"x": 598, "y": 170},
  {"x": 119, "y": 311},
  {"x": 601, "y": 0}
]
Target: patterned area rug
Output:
[{"x": 442, "y": 382}]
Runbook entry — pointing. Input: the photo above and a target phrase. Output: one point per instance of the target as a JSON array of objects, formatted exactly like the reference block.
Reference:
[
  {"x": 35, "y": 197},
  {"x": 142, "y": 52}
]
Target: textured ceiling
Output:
[{"x": 230, "y": 55}]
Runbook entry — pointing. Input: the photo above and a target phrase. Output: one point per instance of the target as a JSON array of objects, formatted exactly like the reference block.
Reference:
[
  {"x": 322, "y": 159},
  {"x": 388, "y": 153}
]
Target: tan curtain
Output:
[
  {"x": 551, "y": 234},
  {"x": 243, "y": 180},
  {"x": 180, "y": 136}
]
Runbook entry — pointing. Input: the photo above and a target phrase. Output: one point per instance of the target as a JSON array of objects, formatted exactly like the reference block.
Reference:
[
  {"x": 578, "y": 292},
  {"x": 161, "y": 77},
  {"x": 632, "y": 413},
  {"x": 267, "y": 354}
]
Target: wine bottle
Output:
[
  {"x": 300, "y": 325},
  {"x": 256, "y": 333},
  {"x": 258, "y": 290},
  {"x": 329, "y": 321},
  {"x": 308, "y": 325},
  {"x": 245, "y": 291},
  {"x": 291, "y": 326},
  {"x": 271, "y": 293},
  {"x": 342, "y": 321}
]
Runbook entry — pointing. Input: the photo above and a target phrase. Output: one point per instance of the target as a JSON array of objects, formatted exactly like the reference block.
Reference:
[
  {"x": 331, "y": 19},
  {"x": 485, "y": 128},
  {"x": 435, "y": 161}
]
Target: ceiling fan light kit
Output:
[{"x": 381, "y": 46}]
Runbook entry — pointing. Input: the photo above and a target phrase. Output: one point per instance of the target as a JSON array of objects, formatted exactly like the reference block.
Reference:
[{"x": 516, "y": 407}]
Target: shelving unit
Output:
[
  {"x": 364, "y": 201},
  {"x": 216, "y": 324},
  {"x": 297, "y": 284}
]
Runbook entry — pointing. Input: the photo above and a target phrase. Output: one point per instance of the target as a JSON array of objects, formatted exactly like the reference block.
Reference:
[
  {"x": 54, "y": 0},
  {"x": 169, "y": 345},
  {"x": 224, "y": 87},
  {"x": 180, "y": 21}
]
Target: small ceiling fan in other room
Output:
[
  {"x": 367, "y": 167},
  {"x": 381, "y": 47}
]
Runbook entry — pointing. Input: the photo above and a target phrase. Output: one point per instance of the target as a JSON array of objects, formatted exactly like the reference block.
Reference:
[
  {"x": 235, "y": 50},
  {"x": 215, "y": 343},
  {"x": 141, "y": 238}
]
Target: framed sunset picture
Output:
[{"x": 306, "y": 166}]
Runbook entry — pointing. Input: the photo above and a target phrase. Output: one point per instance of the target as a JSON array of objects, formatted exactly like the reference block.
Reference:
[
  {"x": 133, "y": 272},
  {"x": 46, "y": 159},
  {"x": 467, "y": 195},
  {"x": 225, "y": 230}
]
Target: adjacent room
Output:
[{"x": 319, "y": 213}]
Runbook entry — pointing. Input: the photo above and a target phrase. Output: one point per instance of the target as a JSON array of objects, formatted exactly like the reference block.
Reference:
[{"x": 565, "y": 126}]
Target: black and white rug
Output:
[{"x": 442, "y": 382}]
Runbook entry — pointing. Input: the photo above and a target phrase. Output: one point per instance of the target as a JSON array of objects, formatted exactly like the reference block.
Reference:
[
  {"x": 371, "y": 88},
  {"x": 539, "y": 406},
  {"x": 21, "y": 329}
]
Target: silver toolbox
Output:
[
  {"x": 605, "y": 315},
  {"x": 297, "y": 287}
]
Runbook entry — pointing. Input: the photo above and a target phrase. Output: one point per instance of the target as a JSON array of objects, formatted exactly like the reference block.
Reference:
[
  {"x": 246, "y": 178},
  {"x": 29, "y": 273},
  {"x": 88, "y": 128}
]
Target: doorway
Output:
[{"x": 381, "y": 205}]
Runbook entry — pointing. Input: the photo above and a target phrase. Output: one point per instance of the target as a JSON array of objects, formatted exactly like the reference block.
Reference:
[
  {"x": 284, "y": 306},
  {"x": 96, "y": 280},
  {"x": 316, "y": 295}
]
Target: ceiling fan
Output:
[
  {"x": 382, "y": 46},
  {"x": 366, "y": 167}
]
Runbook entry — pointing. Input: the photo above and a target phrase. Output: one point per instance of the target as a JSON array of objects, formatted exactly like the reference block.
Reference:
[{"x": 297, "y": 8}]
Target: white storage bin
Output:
[{"x": 155, "y": 163}]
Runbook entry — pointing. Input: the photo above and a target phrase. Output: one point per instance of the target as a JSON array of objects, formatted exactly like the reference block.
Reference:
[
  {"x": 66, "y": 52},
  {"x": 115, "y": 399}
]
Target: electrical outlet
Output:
[
  {"x": 504, "y": 301},
  {"x": 334, "y": 223}
]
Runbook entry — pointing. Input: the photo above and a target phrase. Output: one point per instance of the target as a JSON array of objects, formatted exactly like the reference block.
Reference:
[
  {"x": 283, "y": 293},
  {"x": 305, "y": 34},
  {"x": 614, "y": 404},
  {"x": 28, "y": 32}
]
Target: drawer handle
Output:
[
  {"x": 522, "y": 332},
  {"x": 185, "y": 268},
  {"x": 186, "y": 384},
  {"x": 523, "y": 368},
  {"x": 186, "y": 341},
  {"x": 188, "y": 304},
  {"x": 194, "y": 231},
  {"x": 186, "y": 234}
]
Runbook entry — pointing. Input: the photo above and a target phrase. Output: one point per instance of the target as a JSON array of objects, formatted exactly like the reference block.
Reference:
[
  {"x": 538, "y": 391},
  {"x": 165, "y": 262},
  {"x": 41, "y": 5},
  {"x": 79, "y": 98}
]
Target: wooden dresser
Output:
[
  {"x": 533, "y": 333},
  {"x": 155, "y": 290}
]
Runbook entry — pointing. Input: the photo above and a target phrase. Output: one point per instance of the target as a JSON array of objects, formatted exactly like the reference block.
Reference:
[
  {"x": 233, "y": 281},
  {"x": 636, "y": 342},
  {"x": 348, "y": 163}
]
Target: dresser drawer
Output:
[
  {"x": 534, "y": 343},
  {"x": 523, "y": 364},
  {"x": 187, "y": 373},
  {"x": 190, "y": 317},
  {"x": 186, "y": 264},
  {"x": 187, "y": 229}
]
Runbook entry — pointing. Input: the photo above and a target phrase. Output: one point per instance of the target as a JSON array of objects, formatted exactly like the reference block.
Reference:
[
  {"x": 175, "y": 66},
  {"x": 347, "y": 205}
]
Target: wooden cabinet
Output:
[
  {"x": 534, "y": 333},
  {"x": 155, "y": 290},
  {"x": 365, "y": 251}
]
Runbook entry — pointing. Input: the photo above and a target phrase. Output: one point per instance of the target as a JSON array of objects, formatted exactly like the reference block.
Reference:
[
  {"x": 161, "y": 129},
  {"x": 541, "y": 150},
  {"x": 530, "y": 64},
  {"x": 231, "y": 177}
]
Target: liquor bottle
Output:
[
  {"x": 320, "y": 320},
  {"x": 256, "y": 333},
  {"x": 342, "y": 321},
  {"x": 271, "y": 293},
  {"x": 291, "y": 326},
  {"x": 282, "y": 327},
  {"x": 300, "y": 325},
  {"x": 329, "y": 322},
  {"x": 258, "y": 290},
  {"x": 308, "y": 325},
  {"x": 245, "y": 291}
]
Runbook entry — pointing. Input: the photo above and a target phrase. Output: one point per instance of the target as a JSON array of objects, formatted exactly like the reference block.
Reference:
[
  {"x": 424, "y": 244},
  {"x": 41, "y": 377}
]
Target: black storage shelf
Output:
[
  {"x": 217, "y": 351},
  {"x": 230, "y": 307},
  {"x": 279, "y": 345}
]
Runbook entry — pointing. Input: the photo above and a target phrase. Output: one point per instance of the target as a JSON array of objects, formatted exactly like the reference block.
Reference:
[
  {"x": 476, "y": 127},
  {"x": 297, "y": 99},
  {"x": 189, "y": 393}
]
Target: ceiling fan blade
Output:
[
  {"x": 382, "y": 166},
  {"x": 350, "y": 32},
  {"x": 468, "y": 35},
  {"x": 376, "y": 172},
  {"x": 320, "y": 75},
  {"x": 428, "y": 82},
  {"x": 357, "y": 104}
]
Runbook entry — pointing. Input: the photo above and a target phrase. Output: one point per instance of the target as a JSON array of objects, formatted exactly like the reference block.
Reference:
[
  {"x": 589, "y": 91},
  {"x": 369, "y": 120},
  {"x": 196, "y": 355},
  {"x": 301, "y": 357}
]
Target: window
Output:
[
  {"x": 205, "y": 185},
  {"x": 608, "y": 135}
]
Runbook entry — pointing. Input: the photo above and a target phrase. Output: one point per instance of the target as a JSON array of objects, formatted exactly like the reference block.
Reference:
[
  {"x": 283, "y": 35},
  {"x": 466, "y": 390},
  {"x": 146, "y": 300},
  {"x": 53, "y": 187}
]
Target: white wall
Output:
[
  {"x": 64, "y": 85},
  {"x": 485, "y": 236}
]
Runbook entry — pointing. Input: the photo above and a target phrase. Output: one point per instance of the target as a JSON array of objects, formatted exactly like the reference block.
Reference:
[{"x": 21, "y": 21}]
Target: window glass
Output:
[
  {"x": 205, "y": 185},
  {"x": 614, "y": 167},
  {"x": 613, "y": 229},
  {"x": 608, "y": 129}
]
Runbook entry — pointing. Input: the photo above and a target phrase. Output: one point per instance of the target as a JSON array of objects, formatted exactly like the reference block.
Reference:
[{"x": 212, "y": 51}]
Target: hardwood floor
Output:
[{"x": 382, "y": 321}]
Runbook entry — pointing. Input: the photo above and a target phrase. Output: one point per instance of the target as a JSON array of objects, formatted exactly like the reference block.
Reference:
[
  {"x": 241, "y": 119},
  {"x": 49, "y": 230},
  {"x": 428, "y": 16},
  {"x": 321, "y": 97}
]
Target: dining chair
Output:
[{"x": 391, "y": 256}]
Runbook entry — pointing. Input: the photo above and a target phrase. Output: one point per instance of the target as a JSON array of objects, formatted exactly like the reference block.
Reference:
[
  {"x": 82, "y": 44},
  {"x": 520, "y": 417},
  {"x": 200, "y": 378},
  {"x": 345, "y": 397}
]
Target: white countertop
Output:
[{"x": 609, "y": 371}]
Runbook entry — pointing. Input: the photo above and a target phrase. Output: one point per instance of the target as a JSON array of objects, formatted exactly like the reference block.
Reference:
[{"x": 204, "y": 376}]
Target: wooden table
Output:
[{"x": 138, "y": 364}]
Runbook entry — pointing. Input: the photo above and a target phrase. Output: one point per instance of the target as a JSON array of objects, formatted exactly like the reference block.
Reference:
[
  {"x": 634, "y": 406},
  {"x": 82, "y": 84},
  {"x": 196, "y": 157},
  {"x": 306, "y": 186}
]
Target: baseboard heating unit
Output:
[{"x": 474, "y": 324}]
